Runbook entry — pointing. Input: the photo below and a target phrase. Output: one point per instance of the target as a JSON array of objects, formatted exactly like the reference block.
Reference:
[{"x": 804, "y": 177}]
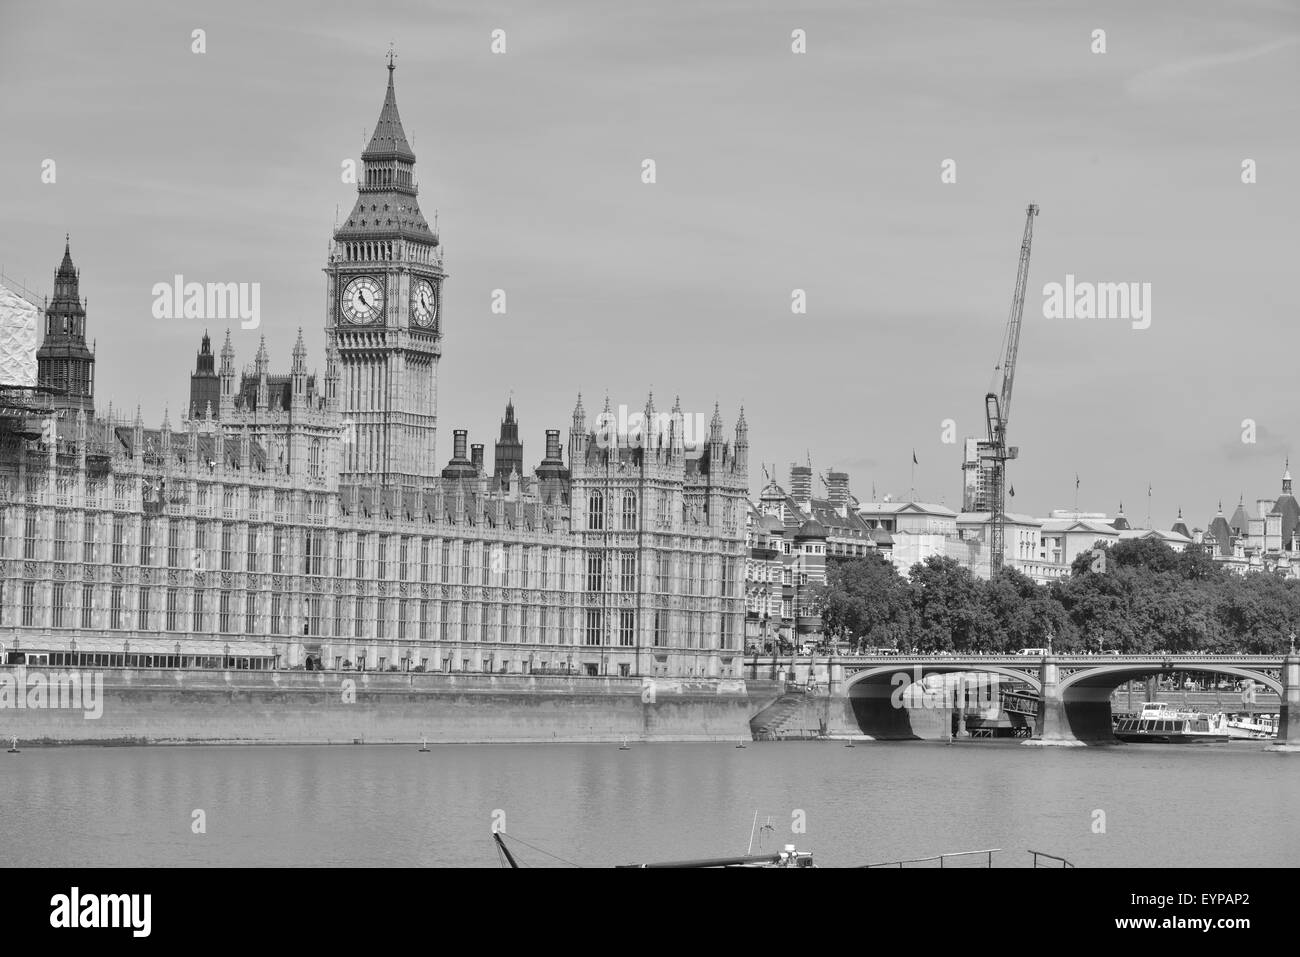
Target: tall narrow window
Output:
[
  {"x": 314, "y": 553},
  {"x": 629, "y": 511},
  {"x": 119, "y": 540},
  {"x": 596, "y": 511},
  {"x": 595, "y": 571},
  {"x": 61, "y": 536},
  {"x": 29, "y": 534},
  {"x": 56, "y": 606},
  {"x": 115, "y": 608}
]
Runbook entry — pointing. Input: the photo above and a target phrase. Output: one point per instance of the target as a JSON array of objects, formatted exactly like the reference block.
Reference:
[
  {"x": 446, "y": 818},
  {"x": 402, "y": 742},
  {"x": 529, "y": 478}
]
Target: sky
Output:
[{"x": 775, "y": 171}]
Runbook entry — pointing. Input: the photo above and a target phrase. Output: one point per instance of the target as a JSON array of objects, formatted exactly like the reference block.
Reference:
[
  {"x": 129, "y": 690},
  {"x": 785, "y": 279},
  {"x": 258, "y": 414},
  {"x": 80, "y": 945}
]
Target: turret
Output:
[
  {"x": 261, "y": 366},
  {"x": 742, "y": 443},
  {"x": 226, "y": 401},
  {"x": 63, "y": 361},
  {"x": 676, "y": 425},
  {"x": 299, "y": 373},
  {"x": 578, "y": 433},
  {"x": 509, "y": 453}
]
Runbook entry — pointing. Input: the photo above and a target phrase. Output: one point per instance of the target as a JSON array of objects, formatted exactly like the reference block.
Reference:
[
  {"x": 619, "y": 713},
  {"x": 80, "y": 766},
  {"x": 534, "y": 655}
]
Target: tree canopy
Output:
[{"x": 1136, "y": 596}]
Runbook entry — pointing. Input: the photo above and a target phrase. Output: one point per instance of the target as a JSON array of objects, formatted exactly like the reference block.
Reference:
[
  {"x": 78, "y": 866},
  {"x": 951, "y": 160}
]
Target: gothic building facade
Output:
[{"x": 296, "y": 521}]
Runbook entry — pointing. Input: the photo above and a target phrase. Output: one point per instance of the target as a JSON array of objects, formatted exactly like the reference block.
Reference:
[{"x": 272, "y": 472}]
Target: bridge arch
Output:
[
  {"x": 1085, "y": 692},
  {"x": 872, "y": 692}
]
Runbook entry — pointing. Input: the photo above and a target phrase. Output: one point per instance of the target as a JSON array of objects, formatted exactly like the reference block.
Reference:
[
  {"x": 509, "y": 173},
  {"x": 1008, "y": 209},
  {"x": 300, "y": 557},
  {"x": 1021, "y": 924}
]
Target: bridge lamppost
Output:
[{"x": 1293, "y": 642}]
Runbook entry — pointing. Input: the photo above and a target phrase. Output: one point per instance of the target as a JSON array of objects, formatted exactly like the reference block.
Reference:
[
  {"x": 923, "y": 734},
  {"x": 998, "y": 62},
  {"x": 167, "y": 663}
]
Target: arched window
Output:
[
  {"x": 629, "y": 511},
  {"x": 596, "y": 511}
]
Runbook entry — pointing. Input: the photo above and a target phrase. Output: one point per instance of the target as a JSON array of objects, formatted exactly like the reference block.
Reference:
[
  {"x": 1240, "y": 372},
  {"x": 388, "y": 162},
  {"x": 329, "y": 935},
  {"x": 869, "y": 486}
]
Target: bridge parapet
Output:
[{"x": 1188, "y": 661}]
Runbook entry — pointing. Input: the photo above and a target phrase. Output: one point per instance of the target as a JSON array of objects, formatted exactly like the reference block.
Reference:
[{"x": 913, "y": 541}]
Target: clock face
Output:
[
  {"x": 363, "y": 301},
  {"x": 424, "y": 303}
]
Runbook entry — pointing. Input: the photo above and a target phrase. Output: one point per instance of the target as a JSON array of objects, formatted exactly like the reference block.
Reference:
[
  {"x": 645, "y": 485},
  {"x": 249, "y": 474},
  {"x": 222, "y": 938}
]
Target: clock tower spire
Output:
[{"x": 383, "y": 321}]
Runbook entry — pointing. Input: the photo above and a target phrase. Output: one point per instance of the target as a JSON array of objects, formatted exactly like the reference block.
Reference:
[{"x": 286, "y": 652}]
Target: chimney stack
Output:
[{"x": 476, "y": 457}]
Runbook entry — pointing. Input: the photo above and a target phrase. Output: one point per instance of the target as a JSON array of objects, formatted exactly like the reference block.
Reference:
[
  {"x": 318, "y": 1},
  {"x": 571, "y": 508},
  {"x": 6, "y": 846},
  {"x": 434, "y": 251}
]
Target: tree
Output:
[
  {"x": 866, "y": 601},
  {"x": 948, "y": 608}
]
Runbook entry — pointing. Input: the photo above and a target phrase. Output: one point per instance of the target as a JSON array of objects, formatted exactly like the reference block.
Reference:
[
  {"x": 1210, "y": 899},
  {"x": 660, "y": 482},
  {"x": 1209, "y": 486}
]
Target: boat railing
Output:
[
  {"x": 1061, "y": 862},
  {"x": 987, "y": 853}
]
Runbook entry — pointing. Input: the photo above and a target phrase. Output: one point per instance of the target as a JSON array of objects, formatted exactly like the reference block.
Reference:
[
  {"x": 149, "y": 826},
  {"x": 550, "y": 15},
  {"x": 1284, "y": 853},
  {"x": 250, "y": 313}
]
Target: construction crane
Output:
[{"x": 995, "y": 452}]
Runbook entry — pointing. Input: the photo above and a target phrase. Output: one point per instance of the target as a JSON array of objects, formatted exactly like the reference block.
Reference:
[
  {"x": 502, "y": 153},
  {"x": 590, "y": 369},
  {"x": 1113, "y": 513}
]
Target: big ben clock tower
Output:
[{"x": 384, "y": 319}]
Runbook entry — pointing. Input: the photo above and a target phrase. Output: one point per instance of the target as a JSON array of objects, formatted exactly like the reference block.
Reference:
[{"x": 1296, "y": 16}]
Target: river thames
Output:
[{"x": 1226, "y": 805}]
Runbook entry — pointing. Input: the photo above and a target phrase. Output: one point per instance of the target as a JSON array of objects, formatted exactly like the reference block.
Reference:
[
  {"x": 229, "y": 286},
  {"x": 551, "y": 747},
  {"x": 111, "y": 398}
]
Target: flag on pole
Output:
[
  {"x": 914, "y": 461},
  {"x": 1012, "y": 491},
  {"x": 1076, "y": 481}
]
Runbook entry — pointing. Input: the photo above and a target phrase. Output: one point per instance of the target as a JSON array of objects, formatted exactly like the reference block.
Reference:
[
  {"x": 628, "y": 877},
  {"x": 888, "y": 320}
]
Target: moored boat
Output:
[
  {"x": 1252, "y": 726},
  {"x": 1158, "y": 723}
]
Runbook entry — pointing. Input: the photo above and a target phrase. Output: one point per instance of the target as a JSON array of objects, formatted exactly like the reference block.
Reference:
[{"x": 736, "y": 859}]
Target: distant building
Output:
[
  {"x": 509, "y": 457},
  {"x": 1268, "y": 540},
  {"x": 791, "y": 536},
  {"x": 205, "y": 384}
]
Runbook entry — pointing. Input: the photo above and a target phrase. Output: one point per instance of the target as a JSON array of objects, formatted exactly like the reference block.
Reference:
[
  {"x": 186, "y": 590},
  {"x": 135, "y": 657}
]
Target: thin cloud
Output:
[{"x": 1164, "y": 79}]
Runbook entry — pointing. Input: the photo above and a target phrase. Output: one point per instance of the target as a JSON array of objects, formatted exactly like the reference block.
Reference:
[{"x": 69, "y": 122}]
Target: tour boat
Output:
[{"x": 1161, "y": 724}]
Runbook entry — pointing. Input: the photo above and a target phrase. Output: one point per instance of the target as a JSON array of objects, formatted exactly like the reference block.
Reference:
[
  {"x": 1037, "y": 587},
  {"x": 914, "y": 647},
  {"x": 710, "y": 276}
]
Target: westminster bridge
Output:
[{"x": 869, "y": 695}]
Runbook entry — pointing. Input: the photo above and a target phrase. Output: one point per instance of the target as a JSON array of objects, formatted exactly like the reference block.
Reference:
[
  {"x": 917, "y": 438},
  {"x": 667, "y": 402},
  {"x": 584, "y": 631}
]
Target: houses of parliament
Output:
[{"x": 290, "y": 520}]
